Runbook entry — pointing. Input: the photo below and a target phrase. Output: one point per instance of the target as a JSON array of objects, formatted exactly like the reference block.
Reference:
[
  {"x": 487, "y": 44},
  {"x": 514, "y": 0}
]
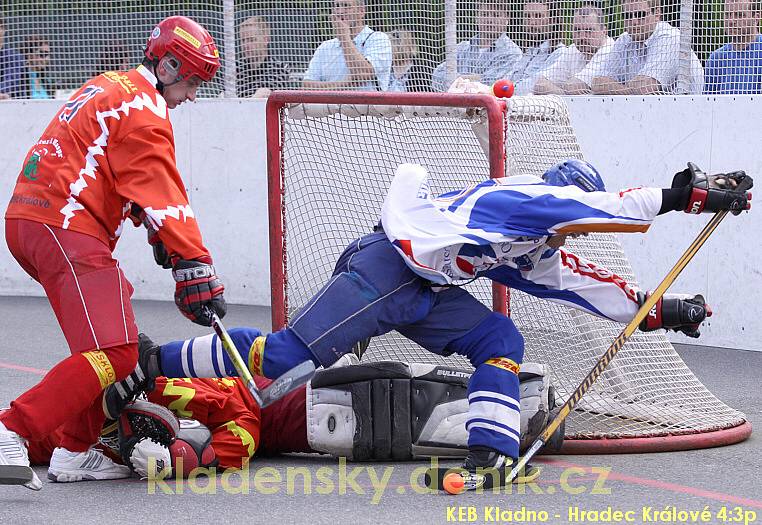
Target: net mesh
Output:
[
  {"x": 417, "y": 45},
  {"x": 337, "y": 165}
]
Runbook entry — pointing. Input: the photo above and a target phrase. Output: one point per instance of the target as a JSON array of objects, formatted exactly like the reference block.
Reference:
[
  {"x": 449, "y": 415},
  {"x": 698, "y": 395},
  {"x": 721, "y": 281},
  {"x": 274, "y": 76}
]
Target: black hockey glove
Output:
[
  {"x": 138, "y": 216},
  {"x": 198, "y": 291},
  {"x": 712, "y": 193},
  {"x": 678, "y": 312}
]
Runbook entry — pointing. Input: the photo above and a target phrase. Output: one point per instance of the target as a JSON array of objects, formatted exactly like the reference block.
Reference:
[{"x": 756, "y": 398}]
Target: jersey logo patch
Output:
[{"x": 71, "y": 108}]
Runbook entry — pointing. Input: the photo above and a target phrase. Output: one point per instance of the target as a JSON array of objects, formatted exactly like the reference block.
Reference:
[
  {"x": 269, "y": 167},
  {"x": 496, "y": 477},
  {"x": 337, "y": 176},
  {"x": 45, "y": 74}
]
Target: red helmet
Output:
[{"x": 189, "y": 43}]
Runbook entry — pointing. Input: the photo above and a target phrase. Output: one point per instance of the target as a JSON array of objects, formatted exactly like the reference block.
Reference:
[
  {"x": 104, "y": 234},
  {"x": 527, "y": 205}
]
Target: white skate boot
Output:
[
  {"x": 14, "y": 461},
  {"x": 66, "y": 466}
]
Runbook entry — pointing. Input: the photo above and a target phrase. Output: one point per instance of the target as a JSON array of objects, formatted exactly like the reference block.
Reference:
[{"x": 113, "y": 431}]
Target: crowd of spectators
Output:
[{"x": 646, "y": 58}]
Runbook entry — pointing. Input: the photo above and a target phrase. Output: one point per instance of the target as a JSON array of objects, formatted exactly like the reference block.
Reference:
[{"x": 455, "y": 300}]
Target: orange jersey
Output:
[{"x": 110, "y": 145}]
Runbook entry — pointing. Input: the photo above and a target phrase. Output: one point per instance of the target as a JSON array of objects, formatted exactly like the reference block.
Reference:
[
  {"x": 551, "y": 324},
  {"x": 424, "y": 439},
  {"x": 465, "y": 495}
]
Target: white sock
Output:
[{"x": 3, "y": 428}]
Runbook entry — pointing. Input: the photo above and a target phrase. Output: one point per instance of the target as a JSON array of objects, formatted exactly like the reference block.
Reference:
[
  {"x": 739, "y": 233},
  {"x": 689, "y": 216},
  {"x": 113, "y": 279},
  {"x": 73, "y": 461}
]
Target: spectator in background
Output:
[
  {"x": 540, "y": 47},
  {"x": 569, "y": 75},
  {"x": 11, "y": 67},
  {"x": 257, "y": 72},
  {"x": 358, "y": 58},
  {"x": 736, "y": 67},
  {"x": 36, "y": 82},
  {"x": 487, "y": 56},
  {"x": 645, "y": 58},
  {"x": 114, "y": 57},
  {"x": 408, "y": 73}
]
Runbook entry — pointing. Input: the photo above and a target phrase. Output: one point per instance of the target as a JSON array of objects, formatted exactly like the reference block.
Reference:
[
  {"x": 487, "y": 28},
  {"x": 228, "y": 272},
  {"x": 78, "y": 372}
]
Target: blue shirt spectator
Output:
[
  {"x": 737, "y": 66},
  {"x": 11, "y": 68},
  {"x": 487, "y": 56},
  {"x": 358, "y": 58},
  {"x": 734, "y": 71},
  {"x": 539, "y": 50}
]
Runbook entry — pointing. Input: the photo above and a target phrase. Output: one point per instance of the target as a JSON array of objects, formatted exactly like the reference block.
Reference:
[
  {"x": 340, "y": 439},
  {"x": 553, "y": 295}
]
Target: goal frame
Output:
[{"x": 497, "y": 152}]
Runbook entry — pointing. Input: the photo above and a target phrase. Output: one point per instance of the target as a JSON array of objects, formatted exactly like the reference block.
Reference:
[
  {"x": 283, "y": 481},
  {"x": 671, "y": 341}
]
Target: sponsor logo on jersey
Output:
[
  {"x": 30, "y": 201},
  {"x": 586, "y": 268},
  {"x": 30, "y": 168},
  {"x": 123, "y": 80},
  {"x": 73, "y": 106}
]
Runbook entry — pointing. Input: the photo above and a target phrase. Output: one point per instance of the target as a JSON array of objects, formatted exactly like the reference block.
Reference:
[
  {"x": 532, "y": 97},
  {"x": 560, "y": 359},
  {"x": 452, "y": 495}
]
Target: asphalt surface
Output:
[{"x": 644, "y": 488}]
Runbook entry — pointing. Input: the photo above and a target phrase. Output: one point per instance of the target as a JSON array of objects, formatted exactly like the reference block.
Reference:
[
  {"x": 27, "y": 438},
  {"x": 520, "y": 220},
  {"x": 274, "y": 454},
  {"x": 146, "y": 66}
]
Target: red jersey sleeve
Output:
[{"x": 145, "y": 173}]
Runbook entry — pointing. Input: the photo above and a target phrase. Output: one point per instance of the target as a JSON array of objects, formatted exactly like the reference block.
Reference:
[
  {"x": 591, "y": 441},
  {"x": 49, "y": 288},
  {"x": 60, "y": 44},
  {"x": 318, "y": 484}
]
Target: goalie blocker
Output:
[{"x": 389, "y": 410}]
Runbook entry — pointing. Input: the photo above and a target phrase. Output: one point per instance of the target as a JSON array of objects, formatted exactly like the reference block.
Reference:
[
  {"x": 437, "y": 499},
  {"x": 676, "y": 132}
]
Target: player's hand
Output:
[
  {"x": 198, "y": 291},
  {"x": 712, "y": 193},
  {"x": 678, "y": 312},
  {"x": 138, "y": 216}
]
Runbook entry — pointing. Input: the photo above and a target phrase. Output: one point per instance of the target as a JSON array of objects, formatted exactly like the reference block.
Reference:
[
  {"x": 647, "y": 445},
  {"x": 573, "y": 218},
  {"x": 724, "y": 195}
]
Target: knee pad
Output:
[
  {"x": 495, "y": 336},
  {"x": 389, "y": 410}
]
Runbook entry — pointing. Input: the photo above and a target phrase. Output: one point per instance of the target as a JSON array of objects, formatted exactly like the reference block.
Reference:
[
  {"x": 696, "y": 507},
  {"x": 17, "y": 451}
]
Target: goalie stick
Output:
[
  {"x": 287, "y": 382},
  {"x": 618, "y": 343}
]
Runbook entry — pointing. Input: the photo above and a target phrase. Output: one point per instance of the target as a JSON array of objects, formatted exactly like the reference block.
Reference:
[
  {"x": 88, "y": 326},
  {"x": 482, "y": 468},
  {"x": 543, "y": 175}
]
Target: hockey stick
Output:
[
  {"x": 287, "y": 382},
  {"x": 618, "y": 343}
]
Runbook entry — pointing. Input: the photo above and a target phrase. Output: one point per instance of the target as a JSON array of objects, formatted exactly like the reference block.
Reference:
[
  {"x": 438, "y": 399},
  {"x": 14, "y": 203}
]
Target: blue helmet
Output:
[{"x": 577, "y": 172}]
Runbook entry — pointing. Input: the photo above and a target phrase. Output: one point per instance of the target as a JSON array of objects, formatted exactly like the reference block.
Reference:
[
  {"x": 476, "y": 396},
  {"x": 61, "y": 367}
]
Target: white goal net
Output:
[{"x": 332, "y": 157}]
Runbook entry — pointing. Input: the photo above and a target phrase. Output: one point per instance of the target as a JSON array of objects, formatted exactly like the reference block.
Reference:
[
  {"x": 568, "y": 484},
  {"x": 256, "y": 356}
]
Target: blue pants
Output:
[{"x": 372, "y": 291}]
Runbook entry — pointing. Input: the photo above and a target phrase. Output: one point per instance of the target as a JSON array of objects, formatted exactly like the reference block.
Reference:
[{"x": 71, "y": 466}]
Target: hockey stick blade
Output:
[
  {"x": 288, "y": 382},
  {"x": 620, "y": 340},
  {"x": 15, "y": 474},
  {"x": 236, "y": 359}
]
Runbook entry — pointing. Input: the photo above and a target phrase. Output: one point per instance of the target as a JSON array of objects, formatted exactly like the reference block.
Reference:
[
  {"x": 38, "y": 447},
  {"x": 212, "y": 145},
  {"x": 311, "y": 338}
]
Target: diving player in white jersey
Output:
[{"x": 404, "y": 277}]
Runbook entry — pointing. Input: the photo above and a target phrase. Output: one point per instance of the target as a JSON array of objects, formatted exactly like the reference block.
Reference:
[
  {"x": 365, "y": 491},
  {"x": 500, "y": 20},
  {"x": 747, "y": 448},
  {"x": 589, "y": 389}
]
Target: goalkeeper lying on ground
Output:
[{"x": 221, "y": 426}]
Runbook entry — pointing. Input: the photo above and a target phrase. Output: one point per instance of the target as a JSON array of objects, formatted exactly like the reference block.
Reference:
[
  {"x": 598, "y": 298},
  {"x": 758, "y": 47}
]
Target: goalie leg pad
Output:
[
  {"x": 388, "y": 411},
  {"x": 396, "y": 411}
]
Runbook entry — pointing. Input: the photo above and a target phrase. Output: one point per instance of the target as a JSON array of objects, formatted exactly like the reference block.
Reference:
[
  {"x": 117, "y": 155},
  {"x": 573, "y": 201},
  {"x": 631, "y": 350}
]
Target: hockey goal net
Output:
[{"x": 331, "y": 158}]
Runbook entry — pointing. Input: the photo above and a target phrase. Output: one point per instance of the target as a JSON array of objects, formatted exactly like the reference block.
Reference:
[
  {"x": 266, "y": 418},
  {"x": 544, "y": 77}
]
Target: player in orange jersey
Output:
[{"x": 106, "y": 157}]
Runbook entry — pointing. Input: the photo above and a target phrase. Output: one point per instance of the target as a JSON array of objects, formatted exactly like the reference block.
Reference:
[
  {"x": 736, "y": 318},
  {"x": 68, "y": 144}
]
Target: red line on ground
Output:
[
  {"x": 31, "y": 370},
  {"x": 654, "y": 483}
]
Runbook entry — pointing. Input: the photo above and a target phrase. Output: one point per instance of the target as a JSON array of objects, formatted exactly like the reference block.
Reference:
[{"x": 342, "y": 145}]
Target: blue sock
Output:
[
  {"x": 493, "y": 409},
  {"x": 205, "y": 357}
]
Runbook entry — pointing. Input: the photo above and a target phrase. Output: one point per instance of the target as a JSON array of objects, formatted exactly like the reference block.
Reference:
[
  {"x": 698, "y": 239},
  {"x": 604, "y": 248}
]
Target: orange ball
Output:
[
  {"x": 453, "y": 483},
  {"x": 503, "y": 88}
]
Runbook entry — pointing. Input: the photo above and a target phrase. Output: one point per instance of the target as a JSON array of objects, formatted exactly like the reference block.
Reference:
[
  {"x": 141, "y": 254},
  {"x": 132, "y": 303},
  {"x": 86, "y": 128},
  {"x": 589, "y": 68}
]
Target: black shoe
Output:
[
  {"x": 484, "y": 468},
  {"x": 142, "y": 379}
]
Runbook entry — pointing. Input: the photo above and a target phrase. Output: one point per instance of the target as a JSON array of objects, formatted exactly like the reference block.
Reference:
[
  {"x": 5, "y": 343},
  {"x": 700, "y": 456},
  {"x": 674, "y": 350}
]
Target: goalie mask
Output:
[{"x": 192, "y": 448}]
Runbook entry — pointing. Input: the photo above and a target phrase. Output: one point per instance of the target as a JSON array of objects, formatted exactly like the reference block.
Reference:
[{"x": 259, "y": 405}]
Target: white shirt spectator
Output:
[
  {"x": 657, "y": 57},
  {"x": 488, "y": 63},
  {"x": 571, "y": 62},
  {"x": 329, "y": 65},
  {"x": 535, "y": 60}
]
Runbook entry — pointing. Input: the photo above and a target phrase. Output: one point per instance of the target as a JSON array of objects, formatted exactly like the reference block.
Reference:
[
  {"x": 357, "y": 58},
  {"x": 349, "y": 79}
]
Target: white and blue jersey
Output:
[{"x": 498, "y": 229}]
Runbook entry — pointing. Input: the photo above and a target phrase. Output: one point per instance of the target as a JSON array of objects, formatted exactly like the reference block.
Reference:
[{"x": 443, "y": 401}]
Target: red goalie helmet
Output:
[{"x": 189, "y": 43}]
